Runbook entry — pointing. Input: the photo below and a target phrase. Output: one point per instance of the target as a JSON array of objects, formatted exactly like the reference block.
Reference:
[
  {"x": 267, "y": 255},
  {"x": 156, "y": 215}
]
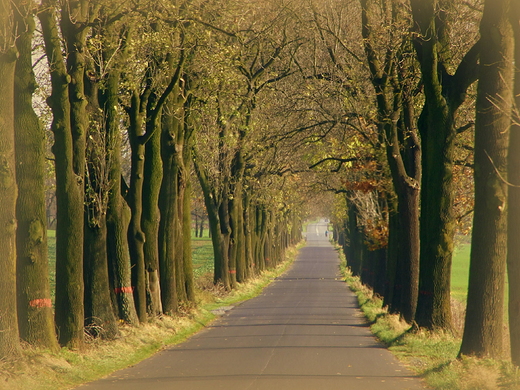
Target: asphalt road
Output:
[{"x": 304, "y": 332}]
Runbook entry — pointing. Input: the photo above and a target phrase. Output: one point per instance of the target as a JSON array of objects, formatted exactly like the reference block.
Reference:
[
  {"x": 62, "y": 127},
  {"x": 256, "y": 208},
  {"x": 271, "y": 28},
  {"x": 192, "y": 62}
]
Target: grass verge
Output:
[
  {"x": 44, "y": 370},
  {"x": 432, "y": 355}
]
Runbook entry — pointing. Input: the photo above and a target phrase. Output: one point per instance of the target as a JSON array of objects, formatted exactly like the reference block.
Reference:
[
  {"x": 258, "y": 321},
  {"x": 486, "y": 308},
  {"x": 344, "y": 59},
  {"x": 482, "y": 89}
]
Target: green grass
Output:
[
  {"x": 202, "y": 257},
  {"x": 460, "y": 272}
]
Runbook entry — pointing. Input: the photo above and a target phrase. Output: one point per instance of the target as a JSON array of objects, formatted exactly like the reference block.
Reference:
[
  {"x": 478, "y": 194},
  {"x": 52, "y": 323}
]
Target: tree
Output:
[
  {"x": 99, "y": 309},
  {"x": 396, "y": 123},
  {"x": 35, "y": 313},
  {"x": 69, "y": 125},
  {"x": 444, "y": 92},
  {"x": 118, "y": 210},
  {"x": 9, "y": 336},
  {"x": 484, "y": 315},
  {"x": 513, "y": 201},
  {"x": 255, "y": 60}
]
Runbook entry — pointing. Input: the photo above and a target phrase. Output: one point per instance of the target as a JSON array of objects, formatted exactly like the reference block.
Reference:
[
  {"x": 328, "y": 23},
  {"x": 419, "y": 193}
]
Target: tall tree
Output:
[
  {"x": 100, "y": 317},
  {"x": 483, "y": 325},
  {"x": 444, "y": 92},
  {"x": 513, "y": 201},
  {"x": 396, "y": 118},
  {"x": 9, "y": 336},
  {"x": 70, "y": 123},
  {"x": 118, "y": 210},
  {"x": 35, "y": 313}
]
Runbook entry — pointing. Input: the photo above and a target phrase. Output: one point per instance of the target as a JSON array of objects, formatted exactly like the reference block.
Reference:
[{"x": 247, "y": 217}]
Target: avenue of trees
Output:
[{"x": 401, "y": 113}]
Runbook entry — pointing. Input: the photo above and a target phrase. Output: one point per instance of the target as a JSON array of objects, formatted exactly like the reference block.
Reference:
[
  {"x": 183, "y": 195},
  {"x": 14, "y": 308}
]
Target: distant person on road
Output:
[{"x": 326, "y": 233}]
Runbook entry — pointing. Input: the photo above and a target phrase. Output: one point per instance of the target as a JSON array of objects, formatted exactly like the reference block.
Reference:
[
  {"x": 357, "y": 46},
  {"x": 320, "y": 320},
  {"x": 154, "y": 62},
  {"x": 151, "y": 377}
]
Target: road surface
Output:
[{"x": 304, "y": 332}]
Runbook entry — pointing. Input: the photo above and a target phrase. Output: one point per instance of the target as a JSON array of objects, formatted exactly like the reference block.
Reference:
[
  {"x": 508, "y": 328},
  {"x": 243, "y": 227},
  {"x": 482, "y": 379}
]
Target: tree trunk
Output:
[
  {"x": 220, "y": 246},
  {"x": 186, "y": 155},
  {"x": 189, "y": 285},
  {"x": 69, "y": 314},
  {"x": 396, "y": 122},
  {"x": 444, "y": 93},
  {"x": 9, "y": 335},
  {"x": 153, "y": 174},
  {"x": 169, "y": 228},
  {"x": 136, "y": 236},
  {"x": 100, "y": 320},
  {"x": 484, "y": 315},
  {"x": 513, "y": 231},
  {"x": 248, "y": 237},
  {"x": 35, "y": 313},
  {"x": 118, "y": 211}
]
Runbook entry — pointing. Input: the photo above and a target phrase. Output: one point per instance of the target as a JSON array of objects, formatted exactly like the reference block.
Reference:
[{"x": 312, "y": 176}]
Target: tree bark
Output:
[
  {"x": 136, "y": 236},
  {"x": 69, "y": 314},
  {"x": 396, "y": 117},
  {"x": 100, "y": 320},
  {"x": 9, "y": 335},
  {"x": 444, "y": 93},
  {"x": 118, "y": 211},
  {"x": 35, "y": 313},
  {"x": 513, "y": 205},
  {"x": 153, "y": 175},
  {"x": 484, "y": 315},
  {"x": 220, "y": 247}
]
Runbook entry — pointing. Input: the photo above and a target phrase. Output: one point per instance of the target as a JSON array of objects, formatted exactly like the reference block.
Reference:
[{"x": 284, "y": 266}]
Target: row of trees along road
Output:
[
  {"x": 436, "y": 122},
  {"x": 398, "y": 112},
  {"x": 174, "y": 88}
]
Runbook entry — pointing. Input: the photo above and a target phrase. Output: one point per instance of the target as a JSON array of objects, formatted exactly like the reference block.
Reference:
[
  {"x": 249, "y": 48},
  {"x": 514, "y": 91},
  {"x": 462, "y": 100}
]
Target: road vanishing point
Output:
[{"x": 304, "y": 332}]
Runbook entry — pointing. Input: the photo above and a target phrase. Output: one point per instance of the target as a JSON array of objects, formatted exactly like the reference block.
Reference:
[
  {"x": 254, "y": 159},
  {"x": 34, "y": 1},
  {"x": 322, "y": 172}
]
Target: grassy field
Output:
[
  {"x": 202, "y": 256},
  {"x": 460, "y": 272}
]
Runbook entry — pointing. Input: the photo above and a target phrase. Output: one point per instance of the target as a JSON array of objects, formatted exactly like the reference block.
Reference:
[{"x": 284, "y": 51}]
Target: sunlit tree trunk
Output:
[
  {"x": 484, "y": 322},
  {"x": 136, "y": 236},
  {"x": 218, "y": 239},
  {"x": 513, "y": 172},
  {"x": 118, "y": 211},
  {"x": 69, "y": 162},
  {"x": 9, "y": 335}
]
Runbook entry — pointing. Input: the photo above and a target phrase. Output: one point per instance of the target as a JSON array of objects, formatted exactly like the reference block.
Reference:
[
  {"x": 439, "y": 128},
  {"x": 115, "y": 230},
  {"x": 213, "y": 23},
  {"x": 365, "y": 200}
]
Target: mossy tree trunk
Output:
[
  {"x": 171, "y": 253},
  {"x": 118, "y": 211},
  {"x": 248, "y": 237},
  {"x": 189, "y": 286},
  {"x": 69, "y": 127},
  {"x": 153, "y": 175},
  {"x": 220, "y": 246},
  {"x": 185, "y": 154},
  {"x": 9, "y": 335},
  {"x": 484, "y": 321},
  {"x": 100, "y": 319},
  {"x": 35, "y": 314},
  {"x": 444, "y": 93},
  {"x": 136, "y": 236}
]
